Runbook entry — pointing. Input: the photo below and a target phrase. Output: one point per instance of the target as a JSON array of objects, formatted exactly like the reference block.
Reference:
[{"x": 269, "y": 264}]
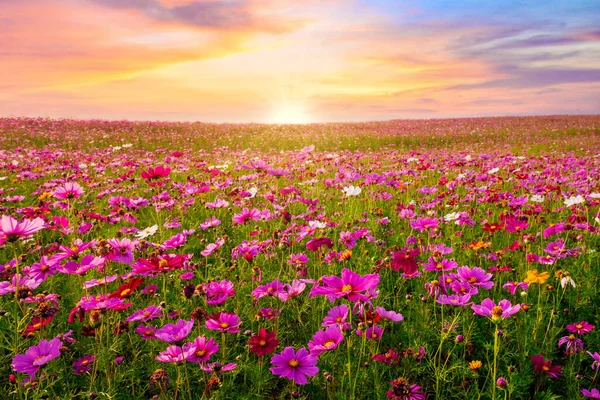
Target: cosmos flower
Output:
[
  {"x": 325, "y": 340},
  {"x": 337, "y": 317},
  {"x": 572, "y": 344},
  {"x": 12, "y": 230},
  {"x": 70, "y": 190},
  {"x": 545, "y": 366},
  {"x": 155, "y": 173},
  {"x": 581, "y": 328},
  {"x": 351, "y": 191},
  {"x": 173, "y": 354},
  {"x": 36, "y": 356},
  {"x": 200, "y": 349},
  {"x": 402, "y": 390},
  {"x": 218, "y": 292},
  {"x": 496, "y": 312},
  {"x": 534, "y": 277},
  {"x": 83, "y": 364},
  {"x": 224, "y": 322},
  {"x": 295, "y": 366},
  {"x": 172, "y": 333},
  {"x": 263, "y": 342},
  {"x": 349, "y": 286},
  {"x": 145, "y": 314},
  {"x": 275, "y": 288},
  {"x": 593, "y": 394}
]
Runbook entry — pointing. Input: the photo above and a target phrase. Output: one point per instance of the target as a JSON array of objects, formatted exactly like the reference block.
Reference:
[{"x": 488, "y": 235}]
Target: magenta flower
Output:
[
  {"x": 545, "y": 366},
  {"x": 11, "y": 230},
  {"x": 372, "y": 333},
  {"x": 572, "y": 344},
  {"x": 217, "y": 367},
  {"x": 246, "y": 215},
  {"x": 350, "y": 286},
  {"x": 200, "y": 349},
  {"x": 295, "y": 366},
  {"x": 146, "y": 331},
  {"x": 275, "y": 288},
  {"x": 513, "y": 286},
  {"x": 580, "y": 328},
  {"x": 174, "y": 333},
  {"x": 36, "y": 356},
  {"x": 423, "y": 224},
  {"x": 83, "y": 365},
  {"x": 389, "y": 315},
  {"x": 593, "y": 394},
  {"x": 122, "y": 250},
  {"x": 145, "y": 314},
  {"x": 70, "y": 190},
  {"x": 224, "y": 322},
  {"x": 454, "y": 300},
  {"x": 496, "y": 312},
  {"x": 326, "y": 340},
  {"x": 173, "y": 354},
  {"x": 337, "y": 317},
  {"x": 40, "y": 271},
  {"x": 476, "y": 277},
  {"x": 439, "y": 266},
  {"x": 218, "y": 292},
  {"x": 596, "y": 363},
  {"x": 292, "y": 290},
  {"x": 315, "y": 244}
]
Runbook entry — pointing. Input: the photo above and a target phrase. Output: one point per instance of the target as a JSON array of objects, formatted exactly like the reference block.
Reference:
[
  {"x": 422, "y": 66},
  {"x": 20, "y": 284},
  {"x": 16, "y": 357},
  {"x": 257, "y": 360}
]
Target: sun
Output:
[{"x": 289, "y": 114}]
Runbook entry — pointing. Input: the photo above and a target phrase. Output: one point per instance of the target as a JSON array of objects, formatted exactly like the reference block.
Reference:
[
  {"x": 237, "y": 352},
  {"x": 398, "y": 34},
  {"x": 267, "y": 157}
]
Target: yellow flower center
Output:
[
  {"x": 346, "y": 288},
  {"x": 146, "y": 314},
  {"x": 200, "y": 353},
  {"x": 163, "y": 264},
  {"x": 224, "y": 325},
  {"x": 262, "y": 343},
  {"x": 293, "y": 363},
  {"x": 329, "y": 344}
]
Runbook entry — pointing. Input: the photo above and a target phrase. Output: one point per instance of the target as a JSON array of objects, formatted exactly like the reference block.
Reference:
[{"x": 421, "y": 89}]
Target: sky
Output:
[{"x": 297, "y": 61}]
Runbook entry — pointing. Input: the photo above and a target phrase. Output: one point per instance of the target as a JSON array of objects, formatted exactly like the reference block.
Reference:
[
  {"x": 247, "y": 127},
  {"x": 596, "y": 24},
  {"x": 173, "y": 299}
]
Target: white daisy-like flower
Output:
[
  {"x": 352, "y": 190},
  {"x": 493, "y": 171},
  {"x": 594, "y": 195},
  {"x": 317, "y": 224},
  {"x": 451, "y": 217},
  {"x": 536, "y": 198},
  {"x": 571, "y": 201},
  {"x": 144, "y": 233}
]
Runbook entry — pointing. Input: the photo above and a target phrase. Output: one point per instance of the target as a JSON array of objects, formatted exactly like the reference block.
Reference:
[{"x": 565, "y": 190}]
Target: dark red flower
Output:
[
  {"x": 541, "y": 365},
  {"x": 126, "y": 289},
  {"x": 406, "y": 261},
  {"x": 263, "y": 342},
  {"x": 156, "y": 173}
]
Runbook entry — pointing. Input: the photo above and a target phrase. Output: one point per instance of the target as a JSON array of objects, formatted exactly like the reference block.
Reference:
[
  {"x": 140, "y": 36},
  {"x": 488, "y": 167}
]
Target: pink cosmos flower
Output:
[
  {"x": 389, "y": 315},
  {"x": 122, "y": 250},
  {"x": 12, "y": 230},
  {"x": 212, "y": 247},
  {"x": 70, "y": 190},
  {"x": 217, "y": 367},
  {"x": 476, "y": 277},
  {"x": 593, "y": 394},
  {"x": 422, "y": 224},
  {"x": 146, "y": 331},
  {"x": 246, "y": 215},
  {"x": 572, "y": 344},
  {"x": 146, "y": 314},
  {"x": 275, "y": 288},
  {"x": 580, "y": 328},
  {"x": 454, "y": 300},
  {"x": 200, "y": 349},
  {"x": 224, "y": 322},
  {"x": 350, "y": 286},
  {"x": 173, "y": 354},
  {"x": 218, "y": 292},
  {"x": 36, "y": 356},
  {"x": 295, "y": 366},
  {"x": 337, "y": 317},
  {"x": 171, "y": 333},
  {"x": 326, "y": 340},
  {"x": 545, "y": 366},
  {"x": 496, "y": 312}
]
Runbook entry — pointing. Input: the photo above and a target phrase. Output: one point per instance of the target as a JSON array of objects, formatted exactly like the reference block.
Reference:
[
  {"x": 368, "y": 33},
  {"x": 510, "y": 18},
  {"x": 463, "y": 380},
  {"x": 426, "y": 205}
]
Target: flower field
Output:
[{"x": 439, "y": 259}]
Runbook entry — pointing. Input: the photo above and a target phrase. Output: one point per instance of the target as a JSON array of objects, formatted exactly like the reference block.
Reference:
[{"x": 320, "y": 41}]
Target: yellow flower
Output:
[
  {"x": 535, "y": 277},
  {"x": 475, "y": 365}
]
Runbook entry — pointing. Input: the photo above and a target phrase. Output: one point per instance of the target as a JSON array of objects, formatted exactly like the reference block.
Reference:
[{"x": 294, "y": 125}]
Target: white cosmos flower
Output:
[
  {"x": 451, "y": 217},
  {"x": 253, "y": 191},
  {"x": 493, "y": 171},
  {"x": 144, "y": 233},
  {"x": 536, "y": 198},
  {"x": 567, "y": 280},
  {"x": 571, "y": 201},
  {"x": 595, "y": 195},
  {"x": 317, "y": 224},
  {"x": 352, "y": 190}
]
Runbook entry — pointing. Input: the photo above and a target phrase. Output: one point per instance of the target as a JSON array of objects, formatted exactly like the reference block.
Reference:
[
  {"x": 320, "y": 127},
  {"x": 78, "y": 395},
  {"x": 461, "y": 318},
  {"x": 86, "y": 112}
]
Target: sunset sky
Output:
[{"x": 297, "y": 61}]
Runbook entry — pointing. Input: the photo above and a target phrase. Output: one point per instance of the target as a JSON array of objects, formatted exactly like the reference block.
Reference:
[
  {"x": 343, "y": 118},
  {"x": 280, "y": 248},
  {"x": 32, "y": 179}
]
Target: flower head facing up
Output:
[
  {"x": 580, "y": 328},
  {"x": 224, "y": 322},
  {"x": 534, "y": 277},
  {"x": 295, "y": 366},
  {"x": 171, "y": 333},
  {"x": 326, "y": 340},
  {"x": 200, "y": 349},
  {"x": 36, "y": 356},
  {"x": 12, "y": 230},
  {"x": 402, "y": 390},
  {"x": 263, "y": 342},
  {"x": 350, "y": 285},
  {"x": 496, "y": 312},
  {"x": 545, "y": 366}
]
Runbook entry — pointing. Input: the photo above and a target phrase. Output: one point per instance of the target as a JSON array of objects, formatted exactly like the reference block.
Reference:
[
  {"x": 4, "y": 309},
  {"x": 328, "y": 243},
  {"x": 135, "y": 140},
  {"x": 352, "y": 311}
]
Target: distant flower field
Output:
[{"x": 438, "y": 259}]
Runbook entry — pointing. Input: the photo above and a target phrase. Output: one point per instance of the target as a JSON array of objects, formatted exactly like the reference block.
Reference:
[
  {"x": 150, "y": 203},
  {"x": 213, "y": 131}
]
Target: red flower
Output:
[
  {"x": 263, "y": 342},
  {"x": 156, "y": 173},
  {"x": 541, "y": 365},
  {"x": 126, "y": 289},
  {"x": 36, "y": 324},
  {"x": 406, "y": 260}
]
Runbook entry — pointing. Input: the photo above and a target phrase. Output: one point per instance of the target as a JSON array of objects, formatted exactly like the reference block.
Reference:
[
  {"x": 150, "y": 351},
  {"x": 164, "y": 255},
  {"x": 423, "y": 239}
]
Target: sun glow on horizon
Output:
[{"x": 289, "y": 114}]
